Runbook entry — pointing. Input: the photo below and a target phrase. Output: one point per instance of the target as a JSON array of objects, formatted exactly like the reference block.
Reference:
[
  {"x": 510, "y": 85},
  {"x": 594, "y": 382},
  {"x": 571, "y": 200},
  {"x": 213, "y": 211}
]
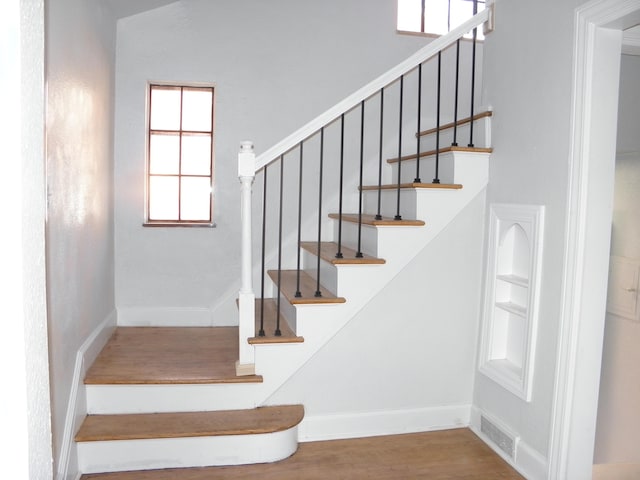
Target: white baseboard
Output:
[
  {"x": 527, "y": 461},
  {"x": 77, "y": 407},
  {"x": 387, "y": 422},
  {"x": 165, "y": 317}
]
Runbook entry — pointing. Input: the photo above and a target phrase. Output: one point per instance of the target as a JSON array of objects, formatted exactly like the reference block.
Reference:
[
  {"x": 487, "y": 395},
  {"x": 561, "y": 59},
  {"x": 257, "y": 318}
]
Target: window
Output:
[
  {"x": 435, "y": 17},
  {"x": 180, "y": 155}
]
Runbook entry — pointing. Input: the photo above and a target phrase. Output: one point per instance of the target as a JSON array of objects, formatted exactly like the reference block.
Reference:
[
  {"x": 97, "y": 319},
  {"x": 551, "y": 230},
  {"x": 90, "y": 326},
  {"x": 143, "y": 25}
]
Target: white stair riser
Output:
[
  {"x": 327, "y": 271},
  {"x": 120, "y": 399},
  {"x": 368, "y": 240},
  {"x": 159, "y": 453},
  {"x": 427, "y": 170}
]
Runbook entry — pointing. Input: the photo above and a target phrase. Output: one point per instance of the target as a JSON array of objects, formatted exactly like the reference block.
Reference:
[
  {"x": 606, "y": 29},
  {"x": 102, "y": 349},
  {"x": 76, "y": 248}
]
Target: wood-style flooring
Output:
[
  {"x": 165, "y": 355},
  {"x": 445, "y": 455}
]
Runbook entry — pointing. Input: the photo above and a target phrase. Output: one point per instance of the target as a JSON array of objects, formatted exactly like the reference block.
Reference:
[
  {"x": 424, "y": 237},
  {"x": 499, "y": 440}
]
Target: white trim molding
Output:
[
  {"x": 77, "y": 407},
  {"x": 597, "y": 44},
  {"x": 384, "y": 422}
]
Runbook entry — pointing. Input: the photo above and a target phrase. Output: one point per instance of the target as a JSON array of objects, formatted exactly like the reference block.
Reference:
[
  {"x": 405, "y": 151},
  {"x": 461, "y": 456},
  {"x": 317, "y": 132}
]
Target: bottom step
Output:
[{"x": 113, "y": 443}]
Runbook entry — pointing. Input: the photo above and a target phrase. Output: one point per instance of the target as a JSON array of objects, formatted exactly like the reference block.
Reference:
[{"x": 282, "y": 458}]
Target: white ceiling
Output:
[
  {"x": 631, "y": 41},
  {"x": 126, "y": 8}
]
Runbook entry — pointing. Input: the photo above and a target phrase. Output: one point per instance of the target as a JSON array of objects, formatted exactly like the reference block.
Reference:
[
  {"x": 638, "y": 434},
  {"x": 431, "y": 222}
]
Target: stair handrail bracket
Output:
[
  {"x": 246, "y": 297},
  {"x": 425, "y": 53}
]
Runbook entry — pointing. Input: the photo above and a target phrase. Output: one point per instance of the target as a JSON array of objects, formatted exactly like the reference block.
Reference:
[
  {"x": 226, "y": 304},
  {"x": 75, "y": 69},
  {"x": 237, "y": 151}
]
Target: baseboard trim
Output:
[
  {"x": 527, "y": 461},
  {"x": 385, "y": 422},
  {"x": 77, "y": 407},
  {"x": 166, "y": 317}
]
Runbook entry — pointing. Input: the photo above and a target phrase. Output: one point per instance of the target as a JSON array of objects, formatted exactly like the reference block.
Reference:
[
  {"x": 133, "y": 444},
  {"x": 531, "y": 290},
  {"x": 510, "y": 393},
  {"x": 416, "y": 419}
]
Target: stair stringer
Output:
[{"x": 360, "y": 283}]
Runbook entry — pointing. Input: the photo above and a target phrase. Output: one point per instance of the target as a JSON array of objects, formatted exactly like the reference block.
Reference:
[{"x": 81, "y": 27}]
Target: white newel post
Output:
[{"x": 246, "y": 298}]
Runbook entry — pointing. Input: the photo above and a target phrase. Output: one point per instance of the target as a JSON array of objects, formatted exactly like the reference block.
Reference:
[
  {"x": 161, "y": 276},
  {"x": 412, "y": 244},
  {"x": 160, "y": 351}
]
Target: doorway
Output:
[{"x": 598, "y": 37}]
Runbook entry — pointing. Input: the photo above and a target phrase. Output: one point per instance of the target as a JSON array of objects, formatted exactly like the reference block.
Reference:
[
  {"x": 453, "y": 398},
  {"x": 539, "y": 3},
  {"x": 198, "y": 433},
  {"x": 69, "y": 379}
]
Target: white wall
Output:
[
  {"x": 80, "y": 245},
  {"x": 410, "y": 352},
  {"x": 618, "y": 428},
  {"x": 527, "y": 77},
  {"x": 25, "y": 445},
  {"x": 275, "y": 66}
]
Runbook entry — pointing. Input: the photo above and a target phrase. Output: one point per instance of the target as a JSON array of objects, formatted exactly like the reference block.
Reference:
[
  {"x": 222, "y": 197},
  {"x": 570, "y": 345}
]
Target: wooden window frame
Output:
[{"x": 149, "y": 222}]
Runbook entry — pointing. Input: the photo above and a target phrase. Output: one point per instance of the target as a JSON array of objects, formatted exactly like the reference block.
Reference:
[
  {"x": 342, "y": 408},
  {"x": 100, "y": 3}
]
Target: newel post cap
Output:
[{"x": 246, "y": 160}]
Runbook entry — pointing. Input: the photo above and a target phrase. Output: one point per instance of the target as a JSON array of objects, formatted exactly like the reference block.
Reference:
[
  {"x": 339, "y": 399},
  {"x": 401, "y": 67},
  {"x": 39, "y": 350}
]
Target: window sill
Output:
[
  {"x": 433, "y": 35},
  {"x": 179, "y": 224}
]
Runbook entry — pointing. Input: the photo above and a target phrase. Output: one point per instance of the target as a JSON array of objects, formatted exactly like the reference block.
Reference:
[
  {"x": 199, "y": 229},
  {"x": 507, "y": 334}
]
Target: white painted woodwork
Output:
[
  {"x": 121, "y": 399},
  {"x": 158, "y": 453},
  {"x": 386, "y": 422},
  {"x": 359, "y": 284},
  {"x": 246, "y": 297},
  {"x": 511, "y": 300}
]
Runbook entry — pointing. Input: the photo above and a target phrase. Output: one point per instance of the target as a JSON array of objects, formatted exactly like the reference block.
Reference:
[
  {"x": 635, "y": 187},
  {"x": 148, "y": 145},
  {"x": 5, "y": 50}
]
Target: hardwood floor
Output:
[
  {"x": 445, "y": 455},
  {"x": 154, "y": 355}
]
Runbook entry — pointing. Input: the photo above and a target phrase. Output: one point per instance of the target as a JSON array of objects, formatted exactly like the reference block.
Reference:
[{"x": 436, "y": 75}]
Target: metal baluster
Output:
[
  {"x": 437, "y": 179},
  {"x": 455, "y": 106},
  {"x": 318, "y": 292},
  {"x": 378, "y": 216},
  {"x": 473, "y": 74},
  {"x": 417, "y": 179},
  {"x": 264, "y": 231},
  {"x": 398, "y": 216},
  {"x": 298, "y": 293},
  {"x": 339, "y": 252},
  {"x": 359, "y": 252},
  {"x": 278, "y": 333}
]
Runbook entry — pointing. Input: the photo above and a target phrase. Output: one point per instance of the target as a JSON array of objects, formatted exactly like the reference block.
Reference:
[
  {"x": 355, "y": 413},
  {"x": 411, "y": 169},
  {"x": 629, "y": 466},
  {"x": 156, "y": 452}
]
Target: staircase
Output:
[{"x": 162, "y": 398}]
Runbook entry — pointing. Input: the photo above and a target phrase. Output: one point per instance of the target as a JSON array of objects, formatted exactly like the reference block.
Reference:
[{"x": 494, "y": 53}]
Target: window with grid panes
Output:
[
  {"x": 180, "y": 155},
  {"x": 436, "y": 17}
]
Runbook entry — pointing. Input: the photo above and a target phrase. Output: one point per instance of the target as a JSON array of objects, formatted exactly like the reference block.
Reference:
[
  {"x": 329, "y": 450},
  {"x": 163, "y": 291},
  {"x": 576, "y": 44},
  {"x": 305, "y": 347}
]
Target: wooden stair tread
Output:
[
  {"x": 394, "y": 186},
  {"x": 384, "y": 222},
  {"x": 449, "y": 125},
  {"x": 168, "y": 355},
  {"x": 189, "y": 424},
  {"x": 307, "y": 288},
  {"x": 328, "y": 252},
  {"x": 270, "y": 313},
  {"x": 430, "y": 153}
]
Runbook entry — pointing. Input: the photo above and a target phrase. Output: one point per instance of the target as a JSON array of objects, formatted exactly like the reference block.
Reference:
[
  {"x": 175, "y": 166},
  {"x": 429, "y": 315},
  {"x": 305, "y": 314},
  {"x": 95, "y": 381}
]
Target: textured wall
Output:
[
  {"x": 80, "y": 263},
  {"x": 25, "y": 446}
]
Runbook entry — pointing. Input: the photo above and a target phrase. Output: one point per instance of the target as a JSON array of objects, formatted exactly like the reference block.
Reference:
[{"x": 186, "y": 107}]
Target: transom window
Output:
[
  {"x": 180, "y": 155},
  {"x": 435, "y": 17}
]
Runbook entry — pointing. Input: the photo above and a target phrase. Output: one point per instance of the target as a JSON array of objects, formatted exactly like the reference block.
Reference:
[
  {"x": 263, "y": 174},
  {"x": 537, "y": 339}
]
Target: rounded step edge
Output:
[{"x": 207, "y": 447}]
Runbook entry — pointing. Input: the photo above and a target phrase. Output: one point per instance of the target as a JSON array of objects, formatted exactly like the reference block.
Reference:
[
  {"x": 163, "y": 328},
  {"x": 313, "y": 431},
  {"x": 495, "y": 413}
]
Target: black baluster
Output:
[
  {"x": 278, "y": 333},
  {"x": 339, "y": 252},
  {"x": 473, "y": 74},
  {"x": 398, "y": 216},
  {"x": 417, "y": 179},
  {"x": 378, "y": 215},
  {"x": 359, "y": 252},
  {"x": 455, "y": 105},
  {"x": 264, "y": 231},
  {"x": 298, "y": 293},
  {"x": 318, "y": 292},
  {"x": 437, "y": 179}
]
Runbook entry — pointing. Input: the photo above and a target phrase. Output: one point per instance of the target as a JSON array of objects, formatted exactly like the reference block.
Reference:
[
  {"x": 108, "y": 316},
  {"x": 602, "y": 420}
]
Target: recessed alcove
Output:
[{"x": 511, "y": 296}]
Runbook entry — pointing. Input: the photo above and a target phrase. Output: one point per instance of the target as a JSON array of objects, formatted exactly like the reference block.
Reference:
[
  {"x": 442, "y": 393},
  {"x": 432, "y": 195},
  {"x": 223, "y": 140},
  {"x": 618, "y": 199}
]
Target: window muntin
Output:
[
  {"x": 435, "y": 17},
  {"x": 180, "y": 155}
]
